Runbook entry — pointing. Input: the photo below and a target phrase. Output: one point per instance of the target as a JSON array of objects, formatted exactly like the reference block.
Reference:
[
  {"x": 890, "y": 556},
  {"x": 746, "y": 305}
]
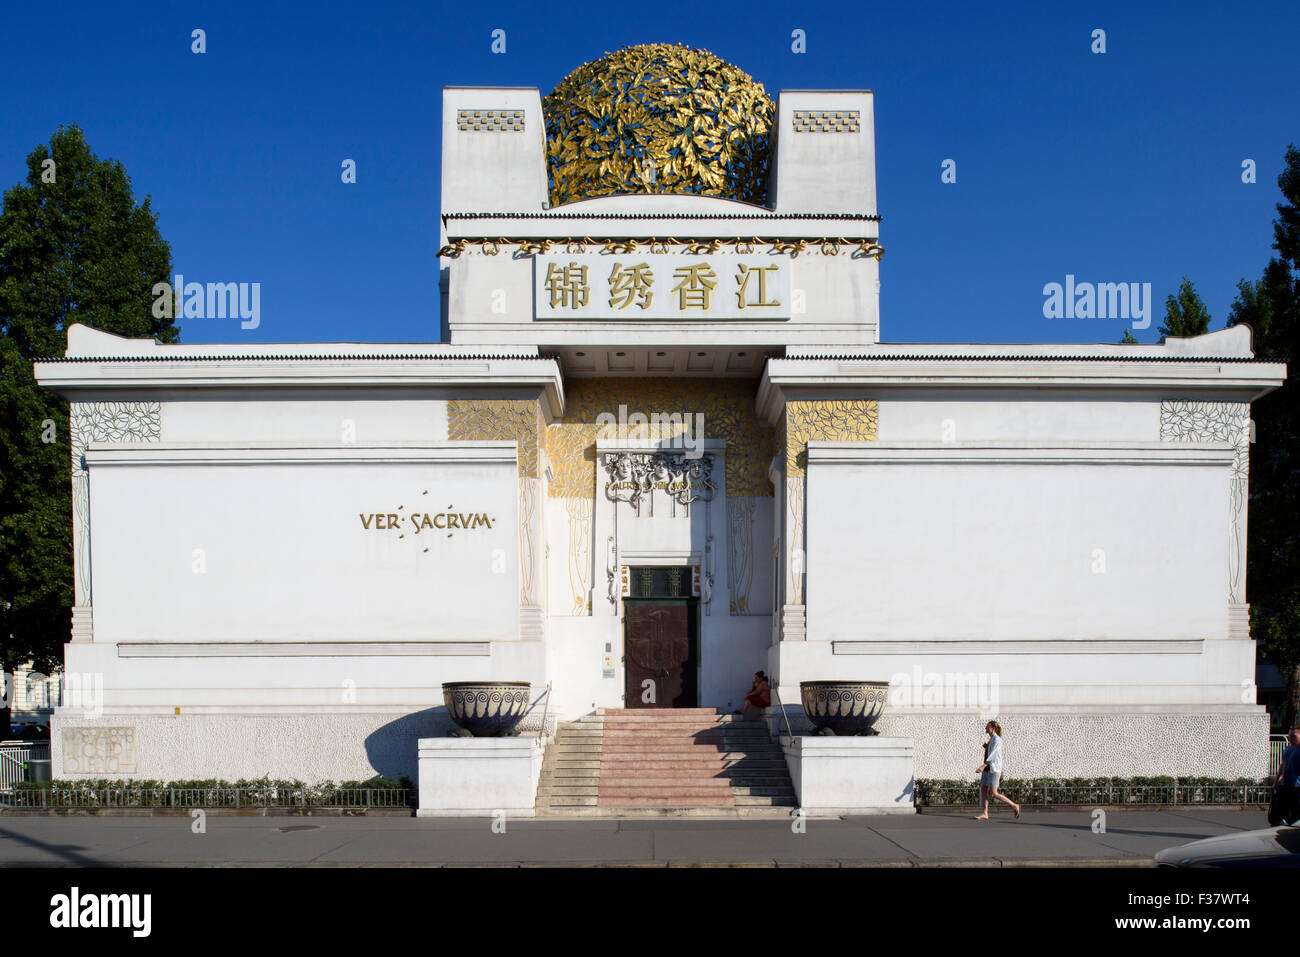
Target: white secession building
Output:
[{"x": 282, "y": 551}]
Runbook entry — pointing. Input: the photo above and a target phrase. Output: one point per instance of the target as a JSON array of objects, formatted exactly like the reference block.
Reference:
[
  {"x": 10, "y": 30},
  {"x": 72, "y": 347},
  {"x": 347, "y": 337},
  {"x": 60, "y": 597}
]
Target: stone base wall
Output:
[
  {"x": 339, "y": 746},
  {"x": 311, "y": 747},
  {"x": 950, "y": 744}
]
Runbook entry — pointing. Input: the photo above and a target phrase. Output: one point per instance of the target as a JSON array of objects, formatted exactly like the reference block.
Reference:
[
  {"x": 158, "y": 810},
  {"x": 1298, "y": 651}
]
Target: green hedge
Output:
[
  {"x": 1100, "y": 791},
  {"x": 211, "y": 792}
]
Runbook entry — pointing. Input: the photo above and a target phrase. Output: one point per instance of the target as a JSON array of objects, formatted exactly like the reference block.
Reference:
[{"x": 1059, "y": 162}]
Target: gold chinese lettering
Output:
[
  {"x": 742, "y": 280},
  {"x": 567, "y": 285},
  {"x": 695, "y": 291},
  {"x": 625, "y": 285}
]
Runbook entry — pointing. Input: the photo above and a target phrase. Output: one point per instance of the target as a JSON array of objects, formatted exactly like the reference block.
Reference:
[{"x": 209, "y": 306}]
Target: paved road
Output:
[{"x": 1130, "y": 838}]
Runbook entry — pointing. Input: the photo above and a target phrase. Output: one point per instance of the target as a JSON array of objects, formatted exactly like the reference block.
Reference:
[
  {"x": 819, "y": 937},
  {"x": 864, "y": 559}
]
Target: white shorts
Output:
[{"x": 990, "y": 779}]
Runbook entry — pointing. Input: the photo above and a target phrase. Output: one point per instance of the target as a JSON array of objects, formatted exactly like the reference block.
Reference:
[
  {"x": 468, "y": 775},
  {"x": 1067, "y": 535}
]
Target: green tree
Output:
[
  {"x": 74, "y": 247},
  {"x": 1271, "y": 307},
  {"x": 1129, "y": 338},
  {"x": 1185, "y": 314}
]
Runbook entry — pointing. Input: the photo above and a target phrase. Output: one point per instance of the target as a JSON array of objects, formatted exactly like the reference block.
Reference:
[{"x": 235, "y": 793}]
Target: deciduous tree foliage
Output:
[
  {"x": 1271, "y": 307},
  {"x": 74, "y": 247}
]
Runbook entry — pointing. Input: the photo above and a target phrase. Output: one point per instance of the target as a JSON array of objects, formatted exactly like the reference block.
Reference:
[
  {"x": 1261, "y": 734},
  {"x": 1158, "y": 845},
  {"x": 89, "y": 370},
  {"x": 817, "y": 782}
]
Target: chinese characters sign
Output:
[{"x": 670, "y": 286}]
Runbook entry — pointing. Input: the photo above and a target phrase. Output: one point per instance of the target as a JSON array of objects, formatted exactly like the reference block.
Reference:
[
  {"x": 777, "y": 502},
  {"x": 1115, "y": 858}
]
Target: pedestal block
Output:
[
  {"x": 478, "y": 777},
  {"x": 851, "y": 775}
]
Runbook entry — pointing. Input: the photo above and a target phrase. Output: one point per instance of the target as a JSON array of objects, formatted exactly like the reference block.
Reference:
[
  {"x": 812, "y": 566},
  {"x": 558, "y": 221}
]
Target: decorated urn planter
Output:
[
  {"x": 486, "y": 709},
  {"x": 843, "y": 707}
]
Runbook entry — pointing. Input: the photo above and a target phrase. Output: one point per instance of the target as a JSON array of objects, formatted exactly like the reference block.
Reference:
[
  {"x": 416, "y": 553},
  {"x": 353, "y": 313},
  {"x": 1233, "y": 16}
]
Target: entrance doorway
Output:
[{"x": 660, "y": 639}]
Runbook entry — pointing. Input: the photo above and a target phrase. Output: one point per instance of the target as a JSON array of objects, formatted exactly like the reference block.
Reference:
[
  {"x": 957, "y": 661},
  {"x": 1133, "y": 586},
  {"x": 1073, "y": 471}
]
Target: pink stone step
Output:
[
  {"x": 661, "y": 761},
  {"x": 632, "y": 727},
  {"x": 642, "y": 785},
  {"x": 662, "y": 777},
  {"x": 652, "y": 712},
  {"x": 641, "y": 759},
  {"x": 684, "y": 737},
  {"x": 671, "y": 727},
  {"x": 686, "y": 801},
  {"x": 676, "y": 719},
  {"x": 662, "y": 741},
  {"x": 676, "y": 792},
  {"x": 683, "y": 746},
  {"x": 627, "y": 752},
  {"x": 702, "y": 782},
  {"x": 662, "y": 714},
  {"x": 661, "y": 767},
  {"x": 683, "y": 743},
  {"x": 675, "y": 727}
]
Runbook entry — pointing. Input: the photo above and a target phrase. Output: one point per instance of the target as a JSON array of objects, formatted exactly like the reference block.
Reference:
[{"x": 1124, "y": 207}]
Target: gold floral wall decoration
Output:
[
  {"x": 826, "y": 420},
  {"x": 501, "y": 420},
  {"x": 726, "y": 404}
]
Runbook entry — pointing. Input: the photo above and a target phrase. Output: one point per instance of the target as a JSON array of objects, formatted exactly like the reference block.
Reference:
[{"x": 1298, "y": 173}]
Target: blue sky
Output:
[{"x": 1122, "y": 166}]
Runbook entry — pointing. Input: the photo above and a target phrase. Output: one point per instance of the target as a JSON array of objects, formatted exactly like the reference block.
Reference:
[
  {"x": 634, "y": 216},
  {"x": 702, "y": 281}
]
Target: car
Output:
[
  {"x": 1268, "y": 847},
  {"x": 29, "y": 732}
]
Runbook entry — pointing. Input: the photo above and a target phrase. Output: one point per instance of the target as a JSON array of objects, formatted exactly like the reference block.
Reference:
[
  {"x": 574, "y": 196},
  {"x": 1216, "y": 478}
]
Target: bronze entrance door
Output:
[
  {"x": 660, "y": 656},
  {"x": 660, "y": 640}
]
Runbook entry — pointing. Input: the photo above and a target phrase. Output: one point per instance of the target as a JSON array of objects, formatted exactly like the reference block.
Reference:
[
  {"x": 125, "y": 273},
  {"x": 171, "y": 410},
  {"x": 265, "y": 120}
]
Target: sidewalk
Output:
[{"x": 1040, "y": 838}]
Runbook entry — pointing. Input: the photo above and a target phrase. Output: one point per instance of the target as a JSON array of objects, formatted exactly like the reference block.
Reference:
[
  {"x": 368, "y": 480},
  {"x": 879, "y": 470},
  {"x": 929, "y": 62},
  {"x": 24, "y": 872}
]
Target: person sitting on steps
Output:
[{"x": 759, "y": 697}]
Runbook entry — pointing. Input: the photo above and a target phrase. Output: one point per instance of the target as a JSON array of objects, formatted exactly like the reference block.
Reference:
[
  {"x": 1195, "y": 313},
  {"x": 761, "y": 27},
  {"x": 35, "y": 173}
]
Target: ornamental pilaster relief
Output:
[
  {"x": 740, "y": 551},
  {"x": 820, "y": 420},
  {"x": 520, "y": 421},
  {"x": 579, "y": 514},
  {"x": 100, "y": 422},
  {"x": 1197, "y": 421}
]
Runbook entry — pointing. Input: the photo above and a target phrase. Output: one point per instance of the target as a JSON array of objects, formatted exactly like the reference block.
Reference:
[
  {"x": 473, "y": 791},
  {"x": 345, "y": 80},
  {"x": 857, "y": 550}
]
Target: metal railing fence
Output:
[
  {"x": 14, "y": 756},
  {"x": 1276, "y": 745}
]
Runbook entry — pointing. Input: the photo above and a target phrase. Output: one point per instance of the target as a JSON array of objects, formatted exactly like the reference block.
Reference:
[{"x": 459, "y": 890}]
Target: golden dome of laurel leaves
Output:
[{"x": 658, "y": 118}]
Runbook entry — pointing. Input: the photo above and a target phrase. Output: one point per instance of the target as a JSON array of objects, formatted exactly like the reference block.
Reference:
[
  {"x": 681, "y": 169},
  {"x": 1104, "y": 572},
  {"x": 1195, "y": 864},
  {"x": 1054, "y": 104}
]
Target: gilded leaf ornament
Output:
[
  {"x": 727, "y": 406},
  {"x": 658, "y": 118},
  {"x": 826, "y": 420},
  {"x": 501, "y": 420}
]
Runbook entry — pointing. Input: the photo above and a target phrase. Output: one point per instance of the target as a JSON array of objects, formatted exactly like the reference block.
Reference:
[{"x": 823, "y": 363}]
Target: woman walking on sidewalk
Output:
[{"x": 990, "y": 771}]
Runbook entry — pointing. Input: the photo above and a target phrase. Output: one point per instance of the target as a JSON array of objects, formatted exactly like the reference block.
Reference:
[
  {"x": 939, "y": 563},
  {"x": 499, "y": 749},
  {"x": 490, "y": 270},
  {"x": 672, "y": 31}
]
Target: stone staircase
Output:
[{"x": 664, "y": 761}]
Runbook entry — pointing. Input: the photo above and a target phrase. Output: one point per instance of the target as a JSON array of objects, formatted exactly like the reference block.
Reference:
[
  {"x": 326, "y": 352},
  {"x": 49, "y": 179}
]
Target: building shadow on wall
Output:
[{"x": 392, "y": 749}]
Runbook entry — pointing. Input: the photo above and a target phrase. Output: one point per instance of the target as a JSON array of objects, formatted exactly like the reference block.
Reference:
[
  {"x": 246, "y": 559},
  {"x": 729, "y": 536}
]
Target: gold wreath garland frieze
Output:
[{"x": 828, "y": 245}]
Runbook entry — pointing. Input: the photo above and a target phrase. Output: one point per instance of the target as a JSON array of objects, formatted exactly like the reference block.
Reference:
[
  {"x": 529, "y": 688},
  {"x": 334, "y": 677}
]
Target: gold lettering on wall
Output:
[{"x": 419, "y": 521}]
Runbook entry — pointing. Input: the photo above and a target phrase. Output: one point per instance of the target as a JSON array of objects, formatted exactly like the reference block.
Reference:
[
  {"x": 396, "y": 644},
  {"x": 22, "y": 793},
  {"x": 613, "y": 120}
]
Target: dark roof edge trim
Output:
[
  {"x": 294, "y": 358},
  {"x": 863, "y": 217},
  {"x": 1025, "y": 358},
  {"x": 554, "y": 357}
]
